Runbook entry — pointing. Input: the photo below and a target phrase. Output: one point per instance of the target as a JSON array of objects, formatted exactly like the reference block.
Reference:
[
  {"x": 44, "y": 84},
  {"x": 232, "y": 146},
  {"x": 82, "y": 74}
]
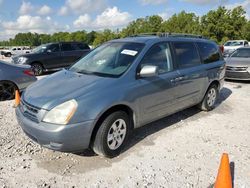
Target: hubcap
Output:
[
  {"x": 211, "y": 97},
  {"x": 37, "y": 69},
  {"x": 7, "y": 91},
  {"x": 116, "y": 134}
]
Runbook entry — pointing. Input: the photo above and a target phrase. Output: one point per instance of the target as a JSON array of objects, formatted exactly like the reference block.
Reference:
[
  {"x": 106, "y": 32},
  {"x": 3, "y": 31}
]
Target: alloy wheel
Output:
[{"x": 116, "y": 134}]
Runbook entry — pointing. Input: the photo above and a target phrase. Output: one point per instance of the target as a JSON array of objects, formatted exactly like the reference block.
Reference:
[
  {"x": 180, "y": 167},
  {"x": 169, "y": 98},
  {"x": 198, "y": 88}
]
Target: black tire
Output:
[
  {"x": 209, "y": 101},
  {"x": 7, "y": 91},
  {"x": 7, "y": 55},
  {"x": 37, "y": 69},
  {"x": 101, "y": 145}
]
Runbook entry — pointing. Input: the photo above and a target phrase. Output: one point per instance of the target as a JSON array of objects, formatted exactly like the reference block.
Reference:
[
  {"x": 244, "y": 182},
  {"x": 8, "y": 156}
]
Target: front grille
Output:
[
  {"x": 29, "y": 111},
  {"x": 240, "y": 75},
  {"x": 236, "y": 68}
]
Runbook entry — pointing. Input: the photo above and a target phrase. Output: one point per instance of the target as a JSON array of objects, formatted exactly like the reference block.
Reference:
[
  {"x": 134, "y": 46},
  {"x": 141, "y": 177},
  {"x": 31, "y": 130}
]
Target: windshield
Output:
[
  {"x": 233, "y": 43},
  {"x": 110, "y": 59},
  {"x": 241, "y": 53},
  {"x": 40, "y": 49}
]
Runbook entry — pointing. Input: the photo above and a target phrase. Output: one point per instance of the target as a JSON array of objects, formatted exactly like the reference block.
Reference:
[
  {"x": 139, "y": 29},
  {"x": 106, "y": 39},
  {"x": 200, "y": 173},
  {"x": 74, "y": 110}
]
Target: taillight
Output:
[
  {"x": 29, "y": 72},
  {"x": 222, "y": 49}
]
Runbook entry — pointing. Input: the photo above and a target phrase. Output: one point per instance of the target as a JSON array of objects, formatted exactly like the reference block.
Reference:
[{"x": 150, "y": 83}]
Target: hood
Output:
[
  {"x": 238, "y": 62},
  {"x": 63, "y": 86}
]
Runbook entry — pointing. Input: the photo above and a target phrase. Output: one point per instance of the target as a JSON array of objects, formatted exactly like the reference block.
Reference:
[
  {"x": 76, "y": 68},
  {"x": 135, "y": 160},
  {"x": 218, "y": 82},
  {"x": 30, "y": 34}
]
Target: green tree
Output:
[
  {"x": 223, "y": 24},
  {"x": 182, "y": 23},
  {"x": 104, "y": 36}
]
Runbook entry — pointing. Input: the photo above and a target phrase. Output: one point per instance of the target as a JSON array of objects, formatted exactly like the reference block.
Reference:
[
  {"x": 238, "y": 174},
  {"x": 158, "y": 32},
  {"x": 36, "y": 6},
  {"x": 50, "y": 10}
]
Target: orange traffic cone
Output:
[
  {"x": 17, "y": 98},
  {"x": 224, "y": 179}
]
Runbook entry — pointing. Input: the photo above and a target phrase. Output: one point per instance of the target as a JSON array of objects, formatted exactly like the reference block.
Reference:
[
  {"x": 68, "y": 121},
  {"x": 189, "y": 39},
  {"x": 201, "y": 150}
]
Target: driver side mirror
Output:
[
  {"x": 49, "y": 51},
  {"x": 148, "y": 71}
]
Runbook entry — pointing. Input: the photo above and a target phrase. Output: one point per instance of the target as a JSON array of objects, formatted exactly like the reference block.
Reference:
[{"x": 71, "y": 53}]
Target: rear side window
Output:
[
  {"x": 159, "y": 55},
  {"x": 67, "y": 47},
  {"x": 80, "y": 46},
  {"x": 186, "y": 54},
  {"x": 209, "y": 52}
]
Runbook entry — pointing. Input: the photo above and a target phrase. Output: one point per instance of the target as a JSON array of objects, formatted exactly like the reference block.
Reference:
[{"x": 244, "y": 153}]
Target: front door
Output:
[
  {"x": 157, "y": 94},
  {"x": 53, "y": 58}
]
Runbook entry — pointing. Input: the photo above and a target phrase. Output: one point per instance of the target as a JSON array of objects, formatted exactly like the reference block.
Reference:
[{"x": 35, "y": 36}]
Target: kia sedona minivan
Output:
[{"x": 119, "y": 86}]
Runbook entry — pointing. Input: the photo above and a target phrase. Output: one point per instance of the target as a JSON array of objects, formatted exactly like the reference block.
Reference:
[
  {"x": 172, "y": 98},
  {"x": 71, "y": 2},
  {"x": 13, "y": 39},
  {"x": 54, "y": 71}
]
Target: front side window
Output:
[
  {"x": 241, "y": 53},
  {"x": 110, "y": 59},
  {"x": 209, "y": 52},
  {"x": 159, "y": 55},
  {"x": 186, "y": 54},
  {"x": 54, "y": 48}
]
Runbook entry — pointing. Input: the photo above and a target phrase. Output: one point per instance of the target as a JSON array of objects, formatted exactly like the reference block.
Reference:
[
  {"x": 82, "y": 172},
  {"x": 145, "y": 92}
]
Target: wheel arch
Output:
[
  {"x": 9, "y": 81},
  {"x": 119, "y": 107},
  {"x": 214, "y": 82}
]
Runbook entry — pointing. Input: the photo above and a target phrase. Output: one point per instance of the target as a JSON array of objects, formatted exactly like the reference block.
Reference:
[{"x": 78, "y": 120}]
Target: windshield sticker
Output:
[{"x": 129, "y": 52}]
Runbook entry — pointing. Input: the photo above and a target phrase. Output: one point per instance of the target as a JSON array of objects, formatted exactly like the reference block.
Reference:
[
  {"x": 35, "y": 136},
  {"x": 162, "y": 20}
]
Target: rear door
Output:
[
  {"x": 157, "y": 94},
  {"x": 72, "y": 52},
  {"x": 81, "y": 49},
  {"x": 192, "y": 75}
]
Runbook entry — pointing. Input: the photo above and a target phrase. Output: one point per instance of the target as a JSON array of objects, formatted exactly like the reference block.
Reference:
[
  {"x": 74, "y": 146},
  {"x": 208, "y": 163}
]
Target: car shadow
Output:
[
  {"x": 238, "y": 81},
  {"x": 143, "y": 132},
  {"x": 224, "y": 94}
]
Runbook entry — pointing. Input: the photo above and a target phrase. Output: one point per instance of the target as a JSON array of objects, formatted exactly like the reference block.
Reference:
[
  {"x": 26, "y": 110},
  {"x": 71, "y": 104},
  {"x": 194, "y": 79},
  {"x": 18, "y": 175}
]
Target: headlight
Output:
[
  {"x": 21, "y": 60},
  {"x": 62, "y": 113},
  {"x": 248, "y": 69}
]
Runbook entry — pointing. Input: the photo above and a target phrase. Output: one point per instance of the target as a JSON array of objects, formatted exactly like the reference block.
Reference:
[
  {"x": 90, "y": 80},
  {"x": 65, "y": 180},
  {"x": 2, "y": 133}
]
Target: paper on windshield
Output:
[{"x": 129, "y": 52}]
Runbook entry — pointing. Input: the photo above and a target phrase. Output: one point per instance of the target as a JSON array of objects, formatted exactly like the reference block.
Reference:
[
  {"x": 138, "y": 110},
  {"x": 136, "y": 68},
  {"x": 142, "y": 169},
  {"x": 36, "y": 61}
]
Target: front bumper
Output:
[
  {"x": 237, "y": 75},
  {"x": 66, "y": 138}
]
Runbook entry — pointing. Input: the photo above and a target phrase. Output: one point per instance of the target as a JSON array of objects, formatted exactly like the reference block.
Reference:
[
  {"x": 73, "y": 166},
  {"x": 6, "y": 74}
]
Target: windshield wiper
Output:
[{"x": 85, "y": 72}]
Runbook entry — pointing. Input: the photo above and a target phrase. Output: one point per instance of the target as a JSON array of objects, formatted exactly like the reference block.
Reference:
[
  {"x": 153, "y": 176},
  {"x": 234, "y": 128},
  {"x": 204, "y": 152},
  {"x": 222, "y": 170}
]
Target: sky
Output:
[{"x": 49, "y": 16}]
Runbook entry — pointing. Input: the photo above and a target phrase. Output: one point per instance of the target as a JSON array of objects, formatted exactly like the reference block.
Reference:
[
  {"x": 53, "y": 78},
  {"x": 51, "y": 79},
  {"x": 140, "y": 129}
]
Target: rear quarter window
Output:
[
  {"x": 186, "y": 54},
  {"x": 209, "y": 52}
]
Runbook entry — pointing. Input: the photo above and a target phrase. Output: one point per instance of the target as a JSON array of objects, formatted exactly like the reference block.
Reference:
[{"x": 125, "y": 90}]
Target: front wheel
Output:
[
  {"x": 112, "y": 134},
  {"x": 209, "y": 101}
]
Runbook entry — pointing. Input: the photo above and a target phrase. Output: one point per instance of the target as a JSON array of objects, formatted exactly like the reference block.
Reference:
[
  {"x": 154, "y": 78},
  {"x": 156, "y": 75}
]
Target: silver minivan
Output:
[{"x": 119, "y": 86}]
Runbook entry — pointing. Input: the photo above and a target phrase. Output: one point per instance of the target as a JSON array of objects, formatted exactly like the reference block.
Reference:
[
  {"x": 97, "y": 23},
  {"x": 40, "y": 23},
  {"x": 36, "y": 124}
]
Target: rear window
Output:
[
  {"x": 209, "y": 52},
  {"x": 186, "y": 54}
]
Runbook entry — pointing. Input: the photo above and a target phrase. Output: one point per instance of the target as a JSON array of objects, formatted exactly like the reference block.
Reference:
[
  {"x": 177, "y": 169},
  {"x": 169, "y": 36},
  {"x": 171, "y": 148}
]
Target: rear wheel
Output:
[
  {"x": 209, "y": 101},
  {"x": 7, "y": 91},
  {"x": 112, "y": 134},
  {"x": 37, "y": 69}
]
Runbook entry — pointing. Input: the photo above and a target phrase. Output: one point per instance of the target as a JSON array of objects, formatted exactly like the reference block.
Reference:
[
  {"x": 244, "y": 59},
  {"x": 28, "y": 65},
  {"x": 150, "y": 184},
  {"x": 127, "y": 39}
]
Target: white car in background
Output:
[
  {"x": 15, "y": 51},
  {"x": 232, "y": 45}
]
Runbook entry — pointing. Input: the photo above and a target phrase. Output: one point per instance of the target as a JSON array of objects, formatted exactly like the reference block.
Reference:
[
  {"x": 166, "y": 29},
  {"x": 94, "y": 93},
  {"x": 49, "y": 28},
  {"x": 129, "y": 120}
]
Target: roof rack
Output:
[{"x": 159, "y": 34}]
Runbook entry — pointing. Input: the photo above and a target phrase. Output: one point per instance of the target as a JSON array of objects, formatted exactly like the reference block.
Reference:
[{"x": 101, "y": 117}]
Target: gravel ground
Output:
[{"x": 182, "y": 150}]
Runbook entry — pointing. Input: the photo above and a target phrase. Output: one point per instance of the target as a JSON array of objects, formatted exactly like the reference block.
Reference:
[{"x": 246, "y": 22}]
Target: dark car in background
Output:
[
  {"x": 14, "y": 77},
  {"x": 238, "y": 65},
  {"x": 53, "y": 56}
]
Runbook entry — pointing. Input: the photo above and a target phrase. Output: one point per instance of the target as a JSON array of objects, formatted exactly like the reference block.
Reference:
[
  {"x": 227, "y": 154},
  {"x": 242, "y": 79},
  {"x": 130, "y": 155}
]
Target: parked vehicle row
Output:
[
  {"x": 15, "y": 51},
  {"x": 121, "y": 85},
  {"x": 52, "y": 56},
  {"x": 232, "y": 45}
]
